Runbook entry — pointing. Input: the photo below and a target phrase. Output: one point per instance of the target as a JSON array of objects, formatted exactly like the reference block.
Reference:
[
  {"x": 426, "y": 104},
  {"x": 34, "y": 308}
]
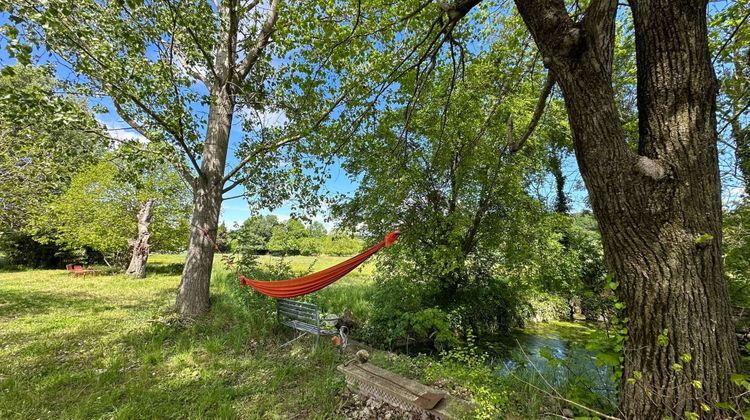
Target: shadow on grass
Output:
[
  {"x": 15, "y": 303},
  {"x": 224, "y": 365},
  {"x": 172, "y": 269}
]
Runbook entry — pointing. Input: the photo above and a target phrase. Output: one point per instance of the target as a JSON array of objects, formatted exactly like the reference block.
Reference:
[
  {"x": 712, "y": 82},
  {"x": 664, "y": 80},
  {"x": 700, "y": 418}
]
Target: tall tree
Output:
[
  {"x": 177, "y": 72},
  {"x": 655, "y": 190},
  {"x": 659, "y": 207},
  {"x": 45, "y": 137}
]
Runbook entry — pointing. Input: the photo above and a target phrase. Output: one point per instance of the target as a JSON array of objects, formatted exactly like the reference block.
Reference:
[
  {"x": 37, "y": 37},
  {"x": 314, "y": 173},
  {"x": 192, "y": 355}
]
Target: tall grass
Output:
[{"x": 110, "y": 346}]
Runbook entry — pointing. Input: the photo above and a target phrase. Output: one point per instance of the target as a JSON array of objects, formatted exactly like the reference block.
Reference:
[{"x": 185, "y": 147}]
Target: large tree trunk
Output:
[
  {"x": 227, "y": 75},
  {"x": 659, "y": 209},
  {"x": 193, "y": 293},
  {"x": 679, "y": 238},
  {"x": 137, "y": 266}
]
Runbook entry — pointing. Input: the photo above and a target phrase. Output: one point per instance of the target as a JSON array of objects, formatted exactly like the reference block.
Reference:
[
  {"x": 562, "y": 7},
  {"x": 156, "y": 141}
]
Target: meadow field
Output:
[{"x": 110, "y": 346}]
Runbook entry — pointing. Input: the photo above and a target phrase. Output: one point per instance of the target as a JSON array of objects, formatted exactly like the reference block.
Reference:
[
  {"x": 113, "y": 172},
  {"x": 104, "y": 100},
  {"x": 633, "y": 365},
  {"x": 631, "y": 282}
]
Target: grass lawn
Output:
[{"x": 109, "y": 346}]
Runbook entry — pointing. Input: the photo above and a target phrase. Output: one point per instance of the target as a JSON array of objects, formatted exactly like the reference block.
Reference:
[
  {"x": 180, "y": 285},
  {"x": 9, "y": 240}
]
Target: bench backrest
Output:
[
  {"x": 301, "y": 311},
  {"x": 77, "y": 268},
  {"x": 69, "y": 267}
]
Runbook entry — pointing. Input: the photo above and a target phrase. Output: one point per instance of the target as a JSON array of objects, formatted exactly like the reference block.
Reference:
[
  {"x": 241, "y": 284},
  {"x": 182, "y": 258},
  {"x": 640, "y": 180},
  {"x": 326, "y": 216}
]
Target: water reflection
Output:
[{"x": 555, "y": 350}]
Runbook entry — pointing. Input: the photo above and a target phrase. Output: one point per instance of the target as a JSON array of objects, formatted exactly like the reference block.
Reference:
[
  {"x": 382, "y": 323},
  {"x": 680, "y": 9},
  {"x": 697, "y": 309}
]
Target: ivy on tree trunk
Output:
[{"x": 659, "y": 208}]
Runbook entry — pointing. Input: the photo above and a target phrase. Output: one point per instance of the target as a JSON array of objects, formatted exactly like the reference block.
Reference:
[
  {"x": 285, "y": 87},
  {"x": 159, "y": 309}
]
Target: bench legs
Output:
[{"x": 302, "y": 334}]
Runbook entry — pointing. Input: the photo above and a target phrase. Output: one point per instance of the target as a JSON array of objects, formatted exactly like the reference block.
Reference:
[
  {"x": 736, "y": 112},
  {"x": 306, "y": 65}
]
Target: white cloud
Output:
[{"x": 122, "y": 131}]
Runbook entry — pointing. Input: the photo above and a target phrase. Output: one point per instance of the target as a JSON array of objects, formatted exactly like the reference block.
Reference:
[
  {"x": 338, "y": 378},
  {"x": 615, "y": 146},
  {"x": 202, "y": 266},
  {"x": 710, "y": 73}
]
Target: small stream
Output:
[{"x": 565, "y": 341}]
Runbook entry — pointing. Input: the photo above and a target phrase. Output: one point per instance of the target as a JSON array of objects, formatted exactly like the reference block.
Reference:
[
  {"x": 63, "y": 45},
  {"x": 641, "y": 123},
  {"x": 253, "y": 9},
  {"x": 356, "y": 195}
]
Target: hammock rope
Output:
[{"x": 313, "y": 282}]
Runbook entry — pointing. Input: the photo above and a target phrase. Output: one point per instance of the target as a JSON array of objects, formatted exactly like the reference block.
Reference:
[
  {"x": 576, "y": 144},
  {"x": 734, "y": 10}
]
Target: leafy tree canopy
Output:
[
  {"x": 99, "y": 209},
  {"x": 45, "y": 137}
]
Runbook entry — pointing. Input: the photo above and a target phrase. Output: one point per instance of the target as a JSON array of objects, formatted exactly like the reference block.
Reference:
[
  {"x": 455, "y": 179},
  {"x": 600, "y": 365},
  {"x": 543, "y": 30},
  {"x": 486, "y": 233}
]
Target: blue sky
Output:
[{"x": 236, "y": 210}]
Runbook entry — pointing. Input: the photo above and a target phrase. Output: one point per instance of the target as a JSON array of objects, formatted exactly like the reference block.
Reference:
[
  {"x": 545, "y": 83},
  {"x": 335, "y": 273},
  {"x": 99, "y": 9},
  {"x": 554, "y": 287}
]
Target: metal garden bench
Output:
[{"x": 303, "y": 317}]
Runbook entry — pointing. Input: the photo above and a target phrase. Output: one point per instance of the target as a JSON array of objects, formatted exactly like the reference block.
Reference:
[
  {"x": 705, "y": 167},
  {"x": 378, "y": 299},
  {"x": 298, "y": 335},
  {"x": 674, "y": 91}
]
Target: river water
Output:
[{"x": 530, "y": 349}]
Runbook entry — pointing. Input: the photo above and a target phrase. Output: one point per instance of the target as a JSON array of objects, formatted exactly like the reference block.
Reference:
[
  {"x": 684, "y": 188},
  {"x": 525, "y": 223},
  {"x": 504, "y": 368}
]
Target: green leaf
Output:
[
  {"x": 704, "y": 239},
  {"x": 607, "y": 359}
]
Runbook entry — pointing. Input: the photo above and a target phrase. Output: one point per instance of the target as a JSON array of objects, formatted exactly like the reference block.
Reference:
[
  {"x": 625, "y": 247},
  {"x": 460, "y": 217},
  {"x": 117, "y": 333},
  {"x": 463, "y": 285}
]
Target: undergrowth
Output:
[{"x": 110, "y": 346}]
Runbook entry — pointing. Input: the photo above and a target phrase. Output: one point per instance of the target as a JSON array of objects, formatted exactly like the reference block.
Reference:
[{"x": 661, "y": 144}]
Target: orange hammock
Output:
[{"x": 315, "y": 281}]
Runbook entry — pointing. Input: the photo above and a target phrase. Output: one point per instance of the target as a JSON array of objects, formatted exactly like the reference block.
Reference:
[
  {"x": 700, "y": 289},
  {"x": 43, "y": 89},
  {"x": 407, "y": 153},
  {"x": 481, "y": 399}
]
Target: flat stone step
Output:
[{"x": 404, "y": 393}]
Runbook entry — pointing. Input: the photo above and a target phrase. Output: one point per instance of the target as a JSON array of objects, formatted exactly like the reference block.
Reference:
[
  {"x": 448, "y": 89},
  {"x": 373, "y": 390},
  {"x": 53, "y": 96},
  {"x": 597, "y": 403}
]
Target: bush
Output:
[
  {"x": 544, "y": 307},
  {"x": 23, "y": 250},
  {"x": 341, "y": 245},
  {"x": 414, "y": 306},
  {"x": 737, "y": 253}
]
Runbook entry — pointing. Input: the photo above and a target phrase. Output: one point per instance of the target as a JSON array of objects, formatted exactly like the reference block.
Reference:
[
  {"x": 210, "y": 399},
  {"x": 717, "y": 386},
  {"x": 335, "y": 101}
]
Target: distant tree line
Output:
[{"x": 268, "y": 235}]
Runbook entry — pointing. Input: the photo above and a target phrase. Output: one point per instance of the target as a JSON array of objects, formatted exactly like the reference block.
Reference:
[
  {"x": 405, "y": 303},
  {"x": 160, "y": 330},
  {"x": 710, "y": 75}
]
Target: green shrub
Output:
[
  {"x": 22, "y": 250},
  {"x": 544, "y": 307}
]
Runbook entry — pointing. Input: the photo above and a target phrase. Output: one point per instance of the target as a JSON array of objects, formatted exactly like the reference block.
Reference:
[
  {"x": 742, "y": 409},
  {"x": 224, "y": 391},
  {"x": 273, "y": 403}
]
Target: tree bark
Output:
[
  {"x": 193, "y": 293},
  {"x": 659, "y": 209},
  {"x": 229, "y": 75},
  {"x": 137, "y": 266}
]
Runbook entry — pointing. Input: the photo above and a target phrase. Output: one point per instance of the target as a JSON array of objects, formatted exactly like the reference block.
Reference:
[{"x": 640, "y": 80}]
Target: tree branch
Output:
[
  {"x": 256, "y": 152},
  {"x": 189, "y": 178},
  {"x": 194, "y": 37},
  {"x": 280, "y": 143},
  {"x": 264, "y": 37},
  {"x": 599, "y": 26},
  {"x": 541, "y": 104},
  {"x": 126, "y": 117},
  {"x": 192, "y": 72},
  {"x": 553, "y": 30},
  {"x": 176, "y": 134}
]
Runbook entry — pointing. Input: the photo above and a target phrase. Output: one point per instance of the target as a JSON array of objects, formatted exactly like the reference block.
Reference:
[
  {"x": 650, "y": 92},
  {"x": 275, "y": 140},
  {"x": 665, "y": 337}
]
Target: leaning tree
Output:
[
  {"x": 654, "y": 186},
  {"x": 658, "y": 205}
]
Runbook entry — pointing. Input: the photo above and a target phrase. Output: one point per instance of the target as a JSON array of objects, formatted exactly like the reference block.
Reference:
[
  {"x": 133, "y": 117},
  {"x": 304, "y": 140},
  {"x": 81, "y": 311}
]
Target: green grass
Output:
[{"x": 109, "y": 346}]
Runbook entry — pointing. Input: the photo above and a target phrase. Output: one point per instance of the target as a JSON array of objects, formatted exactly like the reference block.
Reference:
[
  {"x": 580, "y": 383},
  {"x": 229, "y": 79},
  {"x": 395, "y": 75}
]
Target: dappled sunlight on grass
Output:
[{"x": 109, "y": 346}]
